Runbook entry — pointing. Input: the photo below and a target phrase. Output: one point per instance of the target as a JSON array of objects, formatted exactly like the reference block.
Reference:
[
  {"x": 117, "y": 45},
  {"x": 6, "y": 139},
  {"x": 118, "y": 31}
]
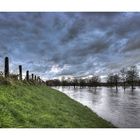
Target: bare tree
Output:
[
  {"x": 81, "y": 82},
  {"x": 123, "y": 77},
  {"x": 94, "y": 81},
  {"x": 110, "y": 80},
  {"x": 75, "y": 82},
  {"x": 113, "y": 80},
  {"x": 132, "y": 76},
  {"x": 63, "y": 81},
  {"x": 116, "y": 79}
]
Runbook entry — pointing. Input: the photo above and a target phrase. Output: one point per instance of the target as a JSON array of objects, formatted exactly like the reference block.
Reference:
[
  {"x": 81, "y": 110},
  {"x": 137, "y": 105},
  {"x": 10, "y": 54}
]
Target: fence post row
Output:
[{"x": 7, "y": 74}]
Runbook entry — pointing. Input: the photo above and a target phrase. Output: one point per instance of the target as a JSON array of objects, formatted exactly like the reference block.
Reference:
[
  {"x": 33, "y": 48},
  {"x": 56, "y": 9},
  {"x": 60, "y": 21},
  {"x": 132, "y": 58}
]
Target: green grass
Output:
[{"x": 30, "y": 106}]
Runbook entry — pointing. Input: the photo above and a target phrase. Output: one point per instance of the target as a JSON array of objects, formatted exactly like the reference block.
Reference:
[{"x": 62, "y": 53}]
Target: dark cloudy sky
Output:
[{"x": 70, "y": 44}]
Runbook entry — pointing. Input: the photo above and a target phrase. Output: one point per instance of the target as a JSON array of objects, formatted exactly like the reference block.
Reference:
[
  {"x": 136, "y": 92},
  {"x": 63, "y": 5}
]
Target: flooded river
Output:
[{"x": 121, "y": 108}]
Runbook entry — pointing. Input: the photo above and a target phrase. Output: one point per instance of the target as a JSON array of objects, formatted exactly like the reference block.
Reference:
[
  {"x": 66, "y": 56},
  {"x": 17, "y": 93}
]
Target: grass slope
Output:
[{"x": 30, "y": 106}]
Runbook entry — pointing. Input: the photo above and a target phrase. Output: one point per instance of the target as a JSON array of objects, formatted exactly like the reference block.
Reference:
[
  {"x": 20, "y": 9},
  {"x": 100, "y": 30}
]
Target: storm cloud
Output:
[{"x": 70, "y": 44}]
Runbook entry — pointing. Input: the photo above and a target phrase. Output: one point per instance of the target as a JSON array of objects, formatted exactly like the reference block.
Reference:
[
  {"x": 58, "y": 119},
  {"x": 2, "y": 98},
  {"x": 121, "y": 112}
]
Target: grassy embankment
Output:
[{"x": 30, "y": 106}]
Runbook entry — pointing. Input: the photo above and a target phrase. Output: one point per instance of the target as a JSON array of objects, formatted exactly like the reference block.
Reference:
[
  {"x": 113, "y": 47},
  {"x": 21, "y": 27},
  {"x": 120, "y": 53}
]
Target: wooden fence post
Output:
[
  {"x": 20, "y": 72},
  {"x": 6, "y": 69},
  {"x": 38, "y": 79},
  {"x": 32, "y": 76},
  {"x": 27, "y": 75}
]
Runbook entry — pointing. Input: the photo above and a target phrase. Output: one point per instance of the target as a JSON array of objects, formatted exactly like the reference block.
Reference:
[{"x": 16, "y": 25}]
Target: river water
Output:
[{"x": 120, "y": 108}]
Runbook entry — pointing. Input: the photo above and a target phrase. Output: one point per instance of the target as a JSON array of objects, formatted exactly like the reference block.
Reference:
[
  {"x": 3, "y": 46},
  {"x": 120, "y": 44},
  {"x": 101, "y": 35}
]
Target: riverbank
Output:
[{"x": 30, "y": 106}]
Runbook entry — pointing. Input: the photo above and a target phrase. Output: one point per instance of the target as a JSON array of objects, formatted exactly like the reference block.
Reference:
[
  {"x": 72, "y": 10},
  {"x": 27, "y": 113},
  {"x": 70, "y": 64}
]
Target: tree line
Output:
[{"x": 126, "y": 77}]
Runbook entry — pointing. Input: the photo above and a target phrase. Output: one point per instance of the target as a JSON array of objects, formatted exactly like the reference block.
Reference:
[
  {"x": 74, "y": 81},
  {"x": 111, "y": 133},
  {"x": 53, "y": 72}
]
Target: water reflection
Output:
[{"x": 122, "y": 108}]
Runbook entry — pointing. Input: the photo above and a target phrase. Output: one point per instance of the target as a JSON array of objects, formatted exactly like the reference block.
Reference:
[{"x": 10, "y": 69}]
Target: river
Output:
[{"x": 120, "y": 108}]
